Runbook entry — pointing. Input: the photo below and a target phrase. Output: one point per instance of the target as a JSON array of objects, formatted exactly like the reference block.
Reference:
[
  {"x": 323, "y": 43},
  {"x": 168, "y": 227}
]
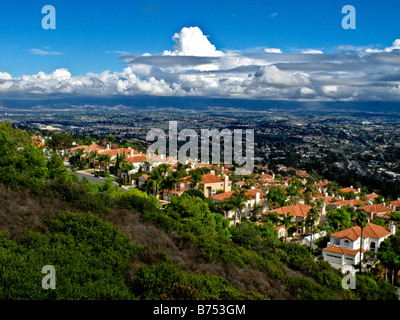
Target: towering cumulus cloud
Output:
[
  {"x": 195, "y": 67},
  {"x": 192, "y": 42}
]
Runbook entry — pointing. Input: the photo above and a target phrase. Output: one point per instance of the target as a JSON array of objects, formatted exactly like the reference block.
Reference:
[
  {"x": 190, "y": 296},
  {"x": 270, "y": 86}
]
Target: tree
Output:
[
  {"x": 155, "y": 181},
  {"x": 195, "y": 178},
  {"x": 276, "y": 197},
  {"x": 225, "y": 206},
  {"x": 339, "y": 218},
  {"x": 106, "y": 160},
  {"x": 293, "y": 192},
  {"x": 110, "y": 138},
  {"x": 60, "y": 141},
  {"x": 310, "y": 220},
  {"x": 77, "y": 159},
  {"x": 237, "y": 201},
  {"x": 257, "y": 210},
  {"x": 272, "y": 216},
  {"x": 287, "y": 222},
  {"x": 361, "y": 221},
  {"x": 389, "y": 253},
  {"x": 55, "y": 166}
]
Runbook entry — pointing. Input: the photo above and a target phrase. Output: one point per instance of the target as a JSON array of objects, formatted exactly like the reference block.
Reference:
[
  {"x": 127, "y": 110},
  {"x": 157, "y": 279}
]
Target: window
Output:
[
  {"x": 372, "y": 247},
  {"x": 346, "y": 243},
  {"x": 336, "y": 241}
]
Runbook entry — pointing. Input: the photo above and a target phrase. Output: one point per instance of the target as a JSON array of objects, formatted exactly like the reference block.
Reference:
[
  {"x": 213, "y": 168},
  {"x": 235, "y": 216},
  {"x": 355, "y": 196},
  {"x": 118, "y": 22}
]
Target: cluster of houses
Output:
[{"x": 343, "y": 247}]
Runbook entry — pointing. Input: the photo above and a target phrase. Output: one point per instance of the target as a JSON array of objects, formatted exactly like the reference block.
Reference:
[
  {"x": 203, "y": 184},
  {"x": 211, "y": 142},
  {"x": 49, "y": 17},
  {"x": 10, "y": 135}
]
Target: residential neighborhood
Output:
[{"x": 300, "y": 207}]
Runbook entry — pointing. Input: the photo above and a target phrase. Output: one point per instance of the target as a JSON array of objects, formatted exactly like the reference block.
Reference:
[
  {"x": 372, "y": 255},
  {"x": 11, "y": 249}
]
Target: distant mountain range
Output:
[{"x": 193, "y": 103}]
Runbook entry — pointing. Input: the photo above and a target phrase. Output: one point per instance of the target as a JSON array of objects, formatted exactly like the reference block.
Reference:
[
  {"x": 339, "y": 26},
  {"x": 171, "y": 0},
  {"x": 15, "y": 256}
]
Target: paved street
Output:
[{"x": 88, "y": 175}]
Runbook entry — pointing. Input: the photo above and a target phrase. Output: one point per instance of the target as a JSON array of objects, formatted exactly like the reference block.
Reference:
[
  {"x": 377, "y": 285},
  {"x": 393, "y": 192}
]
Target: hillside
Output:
[{"x": 106, "y": 243}]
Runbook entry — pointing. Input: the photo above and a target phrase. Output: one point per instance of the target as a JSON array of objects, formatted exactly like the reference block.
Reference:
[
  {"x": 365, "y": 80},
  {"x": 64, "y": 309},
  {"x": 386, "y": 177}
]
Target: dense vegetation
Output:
[{"x": 106, "y": 243}]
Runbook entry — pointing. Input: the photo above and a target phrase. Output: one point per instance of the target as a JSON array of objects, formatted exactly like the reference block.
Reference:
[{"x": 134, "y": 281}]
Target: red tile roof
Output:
[
  {"x": 375, "y": 208},
  {"x": 251, "y": 194},
  {"x": 340, "y": 250},
  {"x": 370, "y": 231},
  {"x": 351, "y": 203},
  {"x": 92, "y": 147},
  {"x": 210, "y": 178},
  {"x": 349, "y": 189},
  {"x": 395, "y": 203},
  {"x": 114, "y": 152},
  {"x": 297, "y": 210},
  {"x": 372, "y": 196},
  {"x": 266, "y": 177},
  {"x": 138, "y": 158}
]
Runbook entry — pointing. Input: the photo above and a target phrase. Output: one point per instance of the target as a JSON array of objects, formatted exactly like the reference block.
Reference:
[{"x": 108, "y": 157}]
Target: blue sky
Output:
[
  {"x": 91, "y": 36},
  {"x": 87, "y": 30}
]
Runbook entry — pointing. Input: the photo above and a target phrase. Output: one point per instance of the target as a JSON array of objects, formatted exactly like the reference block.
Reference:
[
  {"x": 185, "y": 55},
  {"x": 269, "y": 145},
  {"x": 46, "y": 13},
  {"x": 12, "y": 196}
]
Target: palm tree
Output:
[
  {"x": 225, "y": 206},
  {"x": 195, "y": 178},
  {"x": 287, "y": 221},
  {"x": 362, "y": 222},
  {"x": 273, "y": 217},
  {"x": 106, "y": 159},
  {"x": 237, "y": 201},
  {"x": 311, "y": 219},
  {"x": 164, "y": 168},
  {"x": 92, "y": 157},
  {"x": 293, "y": 193},
  {"x": 155, "y": 181}
]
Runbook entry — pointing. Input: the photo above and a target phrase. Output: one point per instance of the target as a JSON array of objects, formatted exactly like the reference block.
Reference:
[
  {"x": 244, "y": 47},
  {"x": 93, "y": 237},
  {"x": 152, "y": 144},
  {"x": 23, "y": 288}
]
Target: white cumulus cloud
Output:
[
  {"x": 272, "y": 50},
  {"x": 192, "y": 42}
]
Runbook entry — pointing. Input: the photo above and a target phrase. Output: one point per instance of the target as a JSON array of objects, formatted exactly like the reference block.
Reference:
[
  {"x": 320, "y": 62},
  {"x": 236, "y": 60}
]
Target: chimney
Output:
[
  {"x": 108, "y": 147},
  {"x": 161, "y": 156},
  {"x": 226, "y": 184},
  {"x": 326, "y": 194},
  {"x": 257, "y": 197},
  {"x": 357, "y": 198},
  {"x": 351, "y": 187},
  {"x": 392, "y": 228},
  {"x": 130, "y": 152},
  {"x": 212, "y": 172},
  {"x": 273, "y": 175},
  {"x": 359, "y": 190}
]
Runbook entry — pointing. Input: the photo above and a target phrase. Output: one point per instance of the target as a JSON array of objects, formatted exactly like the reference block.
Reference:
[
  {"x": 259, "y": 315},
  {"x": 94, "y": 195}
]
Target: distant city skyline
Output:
[{"x": 231, "y": 49}]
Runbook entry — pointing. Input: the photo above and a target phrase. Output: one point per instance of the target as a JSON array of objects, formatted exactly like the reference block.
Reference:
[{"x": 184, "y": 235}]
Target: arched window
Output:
[
  {"x": 372, "y": 246},
  {"x": 346, "y": 243}
]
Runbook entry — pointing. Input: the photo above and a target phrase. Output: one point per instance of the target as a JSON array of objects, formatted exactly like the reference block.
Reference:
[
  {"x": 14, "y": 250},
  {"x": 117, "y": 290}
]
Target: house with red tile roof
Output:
[
  {"x": 376, "y": 210},
  {"x": 299, "y": 212},
  {"x": 344, "y": 203},
  {"x": 372, "y": 196},
  {"x": 255, "y": 196},
  {"x": 211, "y": 183},
  {"x": 344, "y": 246},
  {"x": 395, "y": 205},
  {"x": 350, "y": 189},
  {"x": 142, "y": 180}
]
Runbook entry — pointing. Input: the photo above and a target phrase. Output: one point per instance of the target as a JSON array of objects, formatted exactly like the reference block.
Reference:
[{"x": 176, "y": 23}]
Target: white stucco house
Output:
[
  {"x": 344, "y": 246},
  {"x": 254, "y": 196}
]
